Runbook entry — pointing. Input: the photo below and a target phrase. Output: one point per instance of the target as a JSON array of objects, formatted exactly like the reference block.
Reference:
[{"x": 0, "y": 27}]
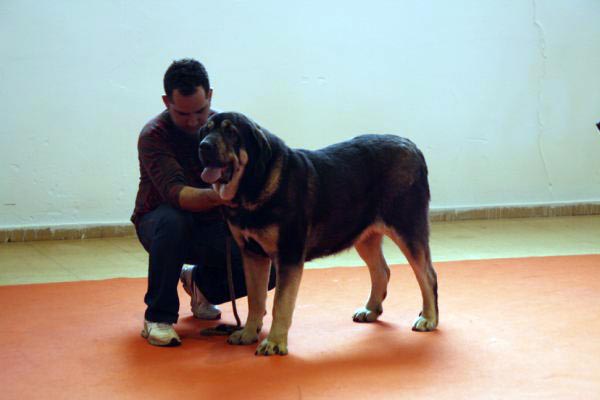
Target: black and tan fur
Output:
[{"x": 291, "y": 206}]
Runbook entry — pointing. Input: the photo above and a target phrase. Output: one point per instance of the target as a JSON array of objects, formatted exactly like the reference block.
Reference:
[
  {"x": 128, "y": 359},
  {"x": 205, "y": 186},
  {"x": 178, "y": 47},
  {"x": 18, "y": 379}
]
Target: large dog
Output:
[{"x": 290, "y": 206}]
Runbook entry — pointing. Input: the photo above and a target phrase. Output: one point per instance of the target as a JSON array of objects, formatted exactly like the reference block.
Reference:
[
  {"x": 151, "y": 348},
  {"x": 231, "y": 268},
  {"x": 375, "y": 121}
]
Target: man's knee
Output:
[
  {"x": 164, "y": 226},
  {"x": 172, "y": 223}
]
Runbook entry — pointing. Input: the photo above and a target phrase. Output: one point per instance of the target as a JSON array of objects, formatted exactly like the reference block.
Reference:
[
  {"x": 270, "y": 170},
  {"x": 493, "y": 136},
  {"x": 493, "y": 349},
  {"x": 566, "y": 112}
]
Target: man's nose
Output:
[{"x": 193, "y": 121}]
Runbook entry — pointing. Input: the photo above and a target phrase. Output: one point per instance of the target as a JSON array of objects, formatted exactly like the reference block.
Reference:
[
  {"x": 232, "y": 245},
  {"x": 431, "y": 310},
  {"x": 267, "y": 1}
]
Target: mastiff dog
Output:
[{"x": 290, "y": 206}]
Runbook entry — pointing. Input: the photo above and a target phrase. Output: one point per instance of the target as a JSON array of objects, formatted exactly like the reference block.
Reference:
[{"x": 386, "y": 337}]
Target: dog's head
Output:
[{"x": 229, "y": 142}]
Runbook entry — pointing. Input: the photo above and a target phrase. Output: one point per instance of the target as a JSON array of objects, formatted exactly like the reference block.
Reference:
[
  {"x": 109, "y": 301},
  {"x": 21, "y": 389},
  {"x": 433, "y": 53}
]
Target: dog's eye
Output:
[{"x": 233, "y": 138}]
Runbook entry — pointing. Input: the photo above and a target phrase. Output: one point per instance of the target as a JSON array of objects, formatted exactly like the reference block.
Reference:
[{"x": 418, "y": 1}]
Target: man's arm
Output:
[
  {"x": 198, "y": 200},
  {"x": 168, "y": 177}
]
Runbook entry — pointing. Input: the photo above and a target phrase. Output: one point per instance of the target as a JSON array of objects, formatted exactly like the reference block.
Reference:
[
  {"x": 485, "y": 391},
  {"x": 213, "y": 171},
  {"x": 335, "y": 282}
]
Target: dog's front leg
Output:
[
  {"x": 256, "y": 272},
  {"x": 286, "y": 291}
]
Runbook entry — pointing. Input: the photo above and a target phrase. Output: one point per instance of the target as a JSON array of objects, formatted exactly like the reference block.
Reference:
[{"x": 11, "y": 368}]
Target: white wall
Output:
[{"x": 502, "y": 96}]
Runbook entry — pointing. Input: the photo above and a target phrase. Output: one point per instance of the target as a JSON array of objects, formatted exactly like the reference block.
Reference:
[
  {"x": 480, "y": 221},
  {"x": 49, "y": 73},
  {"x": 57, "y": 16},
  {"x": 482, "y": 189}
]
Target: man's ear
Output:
[{"x": 166, "y": 100}]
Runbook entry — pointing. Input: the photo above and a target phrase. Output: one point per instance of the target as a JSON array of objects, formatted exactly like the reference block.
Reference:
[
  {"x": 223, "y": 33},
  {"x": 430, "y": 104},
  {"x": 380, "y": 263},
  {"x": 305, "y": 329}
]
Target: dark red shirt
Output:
[{"x": 169, "y": 161}]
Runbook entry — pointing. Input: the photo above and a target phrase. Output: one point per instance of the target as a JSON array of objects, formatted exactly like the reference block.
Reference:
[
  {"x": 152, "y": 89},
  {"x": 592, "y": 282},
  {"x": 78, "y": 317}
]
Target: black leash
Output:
[{"x": 226, "y": 329}]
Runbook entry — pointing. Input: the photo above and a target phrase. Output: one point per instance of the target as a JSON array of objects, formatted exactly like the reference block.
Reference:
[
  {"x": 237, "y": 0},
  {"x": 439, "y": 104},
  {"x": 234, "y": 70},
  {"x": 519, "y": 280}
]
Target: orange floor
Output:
[{"x": 510, "y": 329}]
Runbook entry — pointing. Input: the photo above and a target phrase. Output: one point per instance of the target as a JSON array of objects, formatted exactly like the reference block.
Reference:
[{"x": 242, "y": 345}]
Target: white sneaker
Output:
[
  {"x": 160, "y": 334},
  {"x": 201, "y": 308}
]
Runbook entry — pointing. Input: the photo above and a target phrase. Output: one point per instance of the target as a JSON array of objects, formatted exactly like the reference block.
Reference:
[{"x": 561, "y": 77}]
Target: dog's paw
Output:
[
  {"x": 363, "y": 314},
  {"x": 423, "y": 324},
  {"x": 270, "y": 347},
  {"x": 243, "y": 336}
]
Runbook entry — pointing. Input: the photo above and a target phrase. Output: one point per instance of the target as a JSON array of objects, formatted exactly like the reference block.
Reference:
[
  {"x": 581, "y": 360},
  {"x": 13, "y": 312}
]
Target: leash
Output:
[
  {"x": 226, "y": 329},
  {"x": 230, "y": 281}
]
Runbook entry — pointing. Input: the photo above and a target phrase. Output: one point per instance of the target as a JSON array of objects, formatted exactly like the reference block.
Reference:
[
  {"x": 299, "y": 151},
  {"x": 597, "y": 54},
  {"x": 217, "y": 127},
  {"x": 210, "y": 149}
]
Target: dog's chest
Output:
[
  {"x": 252, "y": 220},
  {"x": 266, "y": 238},
  {"x": 255, "y": 227}
]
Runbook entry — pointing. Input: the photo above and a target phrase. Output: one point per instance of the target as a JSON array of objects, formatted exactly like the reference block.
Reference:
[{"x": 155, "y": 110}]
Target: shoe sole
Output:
[
  {"x": 173, "y": 343},
  {"x": 208, "y": 318},
  {"x": 187, "y": 288},
  {"x": 186, "y": 285}
]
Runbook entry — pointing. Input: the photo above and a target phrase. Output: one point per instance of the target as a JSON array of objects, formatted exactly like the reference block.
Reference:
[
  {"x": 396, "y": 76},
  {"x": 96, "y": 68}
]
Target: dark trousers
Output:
[{"x": 173, "y": 237}]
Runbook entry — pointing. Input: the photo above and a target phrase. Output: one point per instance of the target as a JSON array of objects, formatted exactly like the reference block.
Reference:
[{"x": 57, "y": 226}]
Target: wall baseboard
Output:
[
  {"x": 505, "y": 212},
  {"x": 71, "y": 232},
  {"x": 65, "y": 232}
]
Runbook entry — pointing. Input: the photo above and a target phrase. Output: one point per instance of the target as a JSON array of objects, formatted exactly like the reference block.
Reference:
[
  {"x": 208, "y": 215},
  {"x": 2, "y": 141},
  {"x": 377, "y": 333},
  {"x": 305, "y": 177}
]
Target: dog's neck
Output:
[{"x": 253, "y": 196}]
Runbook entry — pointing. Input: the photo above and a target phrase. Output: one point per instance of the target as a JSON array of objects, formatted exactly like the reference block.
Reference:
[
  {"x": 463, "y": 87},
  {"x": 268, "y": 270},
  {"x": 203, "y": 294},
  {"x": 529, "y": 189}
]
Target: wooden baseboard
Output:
[
  {"x": 65, "y": 232},
  {"x": 70, "y": 232},
  {"x": 537, "y": 211}
]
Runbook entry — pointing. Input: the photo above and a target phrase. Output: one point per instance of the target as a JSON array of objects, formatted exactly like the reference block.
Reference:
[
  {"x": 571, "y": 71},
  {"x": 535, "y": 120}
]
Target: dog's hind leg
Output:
[
  {"x": 419, "y": 258},
  {"x": 369, "y": 249}
]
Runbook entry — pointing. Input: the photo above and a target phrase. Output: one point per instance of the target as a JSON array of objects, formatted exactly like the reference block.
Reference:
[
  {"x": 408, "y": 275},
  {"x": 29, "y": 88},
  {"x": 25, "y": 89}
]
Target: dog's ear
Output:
[
  {"x": 259, "y": 136},
  {"x": 258, "y": 147}
]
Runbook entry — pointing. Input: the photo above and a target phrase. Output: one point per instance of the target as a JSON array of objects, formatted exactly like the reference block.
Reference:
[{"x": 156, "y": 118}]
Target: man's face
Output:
[{"x": 189, "y": 113}]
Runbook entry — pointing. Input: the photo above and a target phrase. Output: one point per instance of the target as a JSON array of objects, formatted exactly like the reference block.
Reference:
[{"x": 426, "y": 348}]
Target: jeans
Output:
[{"x": 173, "y": 237}]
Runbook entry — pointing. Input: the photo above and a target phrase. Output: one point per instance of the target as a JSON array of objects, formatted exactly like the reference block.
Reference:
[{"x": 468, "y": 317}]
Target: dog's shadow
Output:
[
  {"x": 318, "y": 359},
  {"x": 380, "y": 343}
]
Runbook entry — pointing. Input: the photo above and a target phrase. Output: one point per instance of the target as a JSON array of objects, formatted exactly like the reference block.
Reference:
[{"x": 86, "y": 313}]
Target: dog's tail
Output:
[{"x": 422, "y": 181}]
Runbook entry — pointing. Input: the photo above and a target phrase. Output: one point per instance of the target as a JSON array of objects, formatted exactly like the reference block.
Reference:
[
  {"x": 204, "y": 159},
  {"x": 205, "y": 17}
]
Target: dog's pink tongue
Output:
[{"x": 211, "y": 174}]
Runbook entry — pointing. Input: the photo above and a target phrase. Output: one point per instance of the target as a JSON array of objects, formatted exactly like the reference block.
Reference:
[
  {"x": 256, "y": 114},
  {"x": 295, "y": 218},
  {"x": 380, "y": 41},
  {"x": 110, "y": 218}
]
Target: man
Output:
[{"x": 176, "y": 214}]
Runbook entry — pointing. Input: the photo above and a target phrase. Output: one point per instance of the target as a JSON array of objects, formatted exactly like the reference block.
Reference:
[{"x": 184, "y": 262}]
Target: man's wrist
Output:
[{"x": 198, "y": 199}]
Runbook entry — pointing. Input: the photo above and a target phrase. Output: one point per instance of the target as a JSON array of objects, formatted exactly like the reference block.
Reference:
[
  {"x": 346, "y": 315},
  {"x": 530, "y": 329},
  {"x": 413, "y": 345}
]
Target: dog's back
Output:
[{"x": 357, "y": 183}]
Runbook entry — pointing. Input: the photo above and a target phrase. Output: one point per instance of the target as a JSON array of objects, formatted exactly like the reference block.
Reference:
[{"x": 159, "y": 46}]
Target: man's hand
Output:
[
  {"x": 198, "y": 200},
  {"x": 230, "y": 204}
]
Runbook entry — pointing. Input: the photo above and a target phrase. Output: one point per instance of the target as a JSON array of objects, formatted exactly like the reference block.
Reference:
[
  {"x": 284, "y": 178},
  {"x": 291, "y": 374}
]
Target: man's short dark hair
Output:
[{"x": 185, "y": 75}]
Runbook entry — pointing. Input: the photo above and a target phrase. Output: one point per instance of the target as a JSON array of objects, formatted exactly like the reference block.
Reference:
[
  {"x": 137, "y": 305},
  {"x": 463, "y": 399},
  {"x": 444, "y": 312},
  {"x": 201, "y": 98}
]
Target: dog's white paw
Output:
[
  {"x": 363, "y": 314},
  {"x": 423, "y": 324},
  {"x": 244, "y": 336},
  {"x": 269, "y": 347}
]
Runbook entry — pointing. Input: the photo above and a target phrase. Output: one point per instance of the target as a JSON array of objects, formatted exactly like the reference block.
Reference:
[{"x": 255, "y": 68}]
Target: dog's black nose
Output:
[
  {"x": 206, "y": 151},
  {"x": 206, "y": 146}
]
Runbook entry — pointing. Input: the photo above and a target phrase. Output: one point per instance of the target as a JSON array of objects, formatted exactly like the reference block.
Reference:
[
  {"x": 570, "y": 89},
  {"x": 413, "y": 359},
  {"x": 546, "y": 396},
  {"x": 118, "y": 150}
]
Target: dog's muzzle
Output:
[
  {"x": 207, "y": 152},
  {"x": 215, "y": 170}
]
